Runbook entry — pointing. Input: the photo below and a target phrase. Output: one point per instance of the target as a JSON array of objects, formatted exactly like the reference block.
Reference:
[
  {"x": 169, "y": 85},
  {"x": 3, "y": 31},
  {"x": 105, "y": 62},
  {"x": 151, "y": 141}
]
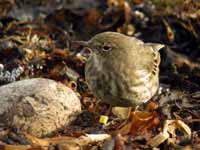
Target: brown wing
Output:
[{"x": 150, "y": 58}]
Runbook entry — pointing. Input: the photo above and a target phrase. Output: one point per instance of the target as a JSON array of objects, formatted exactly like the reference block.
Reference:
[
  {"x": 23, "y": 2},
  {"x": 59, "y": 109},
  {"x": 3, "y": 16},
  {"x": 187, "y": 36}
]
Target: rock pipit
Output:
[{"x": 122, "y": 70}]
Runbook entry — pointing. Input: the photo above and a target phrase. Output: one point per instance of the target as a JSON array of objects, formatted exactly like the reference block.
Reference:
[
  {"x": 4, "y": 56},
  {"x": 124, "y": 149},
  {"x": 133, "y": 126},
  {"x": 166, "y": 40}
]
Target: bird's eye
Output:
[{"x": 107, "y": 47}]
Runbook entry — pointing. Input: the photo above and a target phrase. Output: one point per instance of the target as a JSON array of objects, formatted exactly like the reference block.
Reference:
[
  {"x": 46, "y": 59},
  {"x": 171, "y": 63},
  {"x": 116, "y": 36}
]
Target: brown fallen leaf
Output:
[
  {"x": 152, "y": 106},
  {"x": 72, "y": 142},
  {"x": 121, "y": 112},
  {"x": 127, "y": 29},
  {"x": 137, "y": 2},
  {"x": 158, "y": 139},
  {"x": 116, "y": 3},
  {"x": 179, "y": 59},
  {"x": 169, "y": 128},
  {"x": 60, "y": 53},
  {"x": 125, "y": 129},
  {"x": 170, "y": 32},
  {"x": 14, "y": 147},
  {"x": 119, "y": 142},
  {"x": 92, "y": 17},
  {"x": 127, "y": 12},
  {"x": 140, "y": 121},
  {"x": 188, "y": 26}
]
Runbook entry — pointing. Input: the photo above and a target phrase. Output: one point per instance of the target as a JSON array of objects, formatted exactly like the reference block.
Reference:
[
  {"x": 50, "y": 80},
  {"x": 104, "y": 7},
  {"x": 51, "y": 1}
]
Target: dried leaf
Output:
[
  {"x": 170, "y": 32},
  {"x": 184, "y": 128},
  {"x": 152, "y": 106},
  {"x": 169, "y": 127},
  {"x": 190, "y": 28},
  {"x": 61, "y": 53},
  {"x": 119, "y": 142},
  {"x": 116, "y": 3},
  {"x": 127, "y": 12},
  {"x": 140, "y": 122},
  {"x": 137, "y": 2},
  {"x": 69, "y": 142},
  {"x": 92, "y": 17},
  {"x": 125, "y": 129},
  {"x": 14, "y": 147},
  {"x": 160, "y": 138},
  {"x": 121, "y": 112}
]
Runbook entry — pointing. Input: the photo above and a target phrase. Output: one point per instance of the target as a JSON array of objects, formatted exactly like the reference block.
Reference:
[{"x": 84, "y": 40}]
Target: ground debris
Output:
[{"x": 38, "y": 39}]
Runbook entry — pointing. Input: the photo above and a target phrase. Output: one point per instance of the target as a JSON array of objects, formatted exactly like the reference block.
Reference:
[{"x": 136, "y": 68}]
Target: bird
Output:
[{"x": 122, "y": 71}]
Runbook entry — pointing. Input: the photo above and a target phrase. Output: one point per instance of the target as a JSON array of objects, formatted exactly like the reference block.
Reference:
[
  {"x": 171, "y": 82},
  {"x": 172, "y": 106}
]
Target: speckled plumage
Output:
[{"x": 122, "y": 70}]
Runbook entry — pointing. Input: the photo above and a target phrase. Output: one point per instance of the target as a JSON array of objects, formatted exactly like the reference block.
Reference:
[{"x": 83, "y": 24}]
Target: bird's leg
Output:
[
  {"x": 134, "y": 111},
  {"x": 136, "y": 108},
  {"x": 130, "y": 109},
  {"x": 109, "y": 110},
  {"x": 129, "y": 112},
  {"x": 128, "y": 118},
  {"x": 104, "y": 118}
]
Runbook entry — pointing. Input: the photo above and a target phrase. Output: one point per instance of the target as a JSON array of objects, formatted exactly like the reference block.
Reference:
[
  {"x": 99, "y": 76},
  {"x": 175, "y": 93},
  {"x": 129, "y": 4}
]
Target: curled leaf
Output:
[
  {"x": 160, "y": 138},
  {"x": 170, "y": 127},
  {"x": 121, "y": 112},
  {"x": 170, "y": 33}
]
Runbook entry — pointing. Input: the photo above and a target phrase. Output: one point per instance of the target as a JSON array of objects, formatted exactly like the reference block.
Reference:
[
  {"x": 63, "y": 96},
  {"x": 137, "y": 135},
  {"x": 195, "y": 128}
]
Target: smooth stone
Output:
[{"x": 37, "y": 106}]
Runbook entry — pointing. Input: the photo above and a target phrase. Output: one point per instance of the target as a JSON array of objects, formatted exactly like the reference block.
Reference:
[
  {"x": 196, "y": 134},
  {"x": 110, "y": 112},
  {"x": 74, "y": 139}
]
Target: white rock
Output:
[{"x": 37, "y": 106}]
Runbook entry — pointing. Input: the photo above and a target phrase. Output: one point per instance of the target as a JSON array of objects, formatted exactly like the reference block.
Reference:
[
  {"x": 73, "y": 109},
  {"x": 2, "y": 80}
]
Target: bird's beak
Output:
[{"x": 158, "y": 46}]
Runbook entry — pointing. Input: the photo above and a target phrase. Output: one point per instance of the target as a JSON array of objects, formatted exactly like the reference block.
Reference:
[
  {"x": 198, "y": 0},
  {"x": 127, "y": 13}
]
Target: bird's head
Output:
[
  {"x": 115, "y": 44},
  {"x": 106, "y": 43}
]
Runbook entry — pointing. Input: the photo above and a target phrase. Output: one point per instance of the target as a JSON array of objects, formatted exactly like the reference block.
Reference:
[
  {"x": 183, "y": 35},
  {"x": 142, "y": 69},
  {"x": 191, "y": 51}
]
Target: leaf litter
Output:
[{"x": 36, "y": 40}]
